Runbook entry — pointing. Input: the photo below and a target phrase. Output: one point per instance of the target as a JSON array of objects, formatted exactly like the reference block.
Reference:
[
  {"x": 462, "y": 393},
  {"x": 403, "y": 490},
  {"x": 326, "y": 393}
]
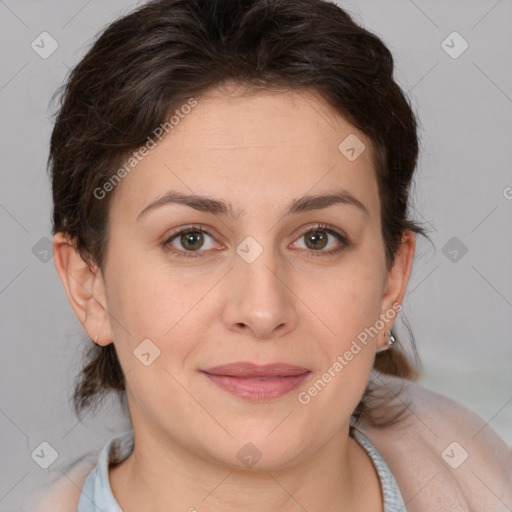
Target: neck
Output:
[{"x": 161, "y": 475}]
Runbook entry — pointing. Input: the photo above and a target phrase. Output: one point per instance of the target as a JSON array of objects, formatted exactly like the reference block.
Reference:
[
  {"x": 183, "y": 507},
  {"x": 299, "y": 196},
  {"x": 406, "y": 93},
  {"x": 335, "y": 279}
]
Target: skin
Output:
[{"x": 258, "y": 151}]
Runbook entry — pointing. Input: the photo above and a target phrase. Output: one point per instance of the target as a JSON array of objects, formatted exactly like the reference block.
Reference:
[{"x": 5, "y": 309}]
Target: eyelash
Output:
[{"x": 317, "y": 227}]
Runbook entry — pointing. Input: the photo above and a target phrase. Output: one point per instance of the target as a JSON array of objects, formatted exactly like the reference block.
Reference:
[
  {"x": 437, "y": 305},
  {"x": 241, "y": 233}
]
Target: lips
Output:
[
  {"x": 248, "y": 370},
  {"x": 257, "y": 383}
]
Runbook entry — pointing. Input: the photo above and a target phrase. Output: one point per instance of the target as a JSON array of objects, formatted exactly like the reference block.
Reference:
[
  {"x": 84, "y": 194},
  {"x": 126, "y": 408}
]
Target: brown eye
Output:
[
  {"x": 316, "y": 239},
  {"x": 192, "y": 240},
  {"x": 188, "y": 241}
]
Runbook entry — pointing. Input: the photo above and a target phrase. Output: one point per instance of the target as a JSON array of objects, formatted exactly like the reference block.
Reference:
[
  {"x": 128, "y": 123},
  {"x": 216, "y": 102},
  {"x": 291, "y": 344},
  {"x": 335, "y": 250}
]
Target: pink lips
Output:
[{"x": 257, "y": 383}]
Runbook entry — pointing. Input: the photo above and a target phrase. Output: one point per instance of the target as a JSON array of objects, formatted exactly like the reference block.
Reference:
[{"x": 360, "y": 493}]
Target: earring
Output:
[
  {"x": 391, "y": 340},
  {"x": 96, "y": 340}
]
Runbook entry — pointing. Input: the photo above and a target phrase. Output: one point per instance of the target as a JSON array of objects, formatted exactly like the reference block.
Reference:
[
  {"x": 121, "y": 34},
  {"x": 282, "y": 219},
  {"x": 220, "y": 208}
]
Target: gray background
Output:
[{"x": 460, "y": 311}]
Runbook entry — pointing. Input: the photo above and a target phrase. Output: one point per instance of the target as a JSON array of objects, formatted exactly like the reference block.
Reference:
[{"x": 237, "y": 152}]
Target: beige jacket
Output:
[{"x": 444, "y": 458}]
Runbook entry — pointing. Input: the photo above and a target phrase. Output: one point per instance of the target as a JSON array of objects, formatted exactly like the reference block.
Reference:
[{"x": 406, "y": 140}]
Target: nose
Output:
[{"x": 260, "y": 301}]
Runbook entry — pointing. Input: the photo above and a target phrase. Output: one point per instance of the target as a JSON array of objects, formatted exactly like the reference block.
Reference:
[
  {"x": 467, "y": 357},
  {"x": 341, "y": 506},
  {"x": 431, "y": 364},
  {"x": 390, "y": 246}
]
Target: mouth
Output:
[{"x": 257, "y": 383}]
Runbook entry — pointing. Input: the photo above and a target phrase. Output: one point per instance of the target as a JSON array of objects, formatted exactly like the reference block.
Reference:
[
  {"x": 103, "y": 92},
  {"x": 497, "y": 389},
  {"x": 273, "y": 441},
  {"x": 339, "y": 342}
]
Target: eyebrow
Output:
[{"x": 221, "y": 207}]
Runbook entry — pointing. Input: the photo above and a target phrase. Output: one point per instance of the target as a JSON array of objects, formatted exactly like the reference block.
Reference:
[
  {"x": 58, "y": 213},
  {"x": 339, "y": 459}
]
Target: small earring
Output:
[
  {"x": 96, "y": 340},
  {"x": 391, "y": 340}
]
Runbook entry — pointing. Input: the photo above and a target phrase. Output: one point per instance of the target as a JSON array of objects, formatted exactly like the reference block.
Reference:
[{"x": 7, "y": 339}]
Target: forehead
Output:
[{"x": 243, "y": 145}]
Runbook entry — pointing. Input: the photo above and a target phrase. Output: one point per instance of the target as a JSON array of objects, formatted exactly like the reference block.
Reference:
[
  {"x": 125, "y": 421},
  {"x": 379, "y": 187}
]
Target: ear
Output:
[
  {"x": 84, "y": 287},
  {"x": 398, "y": 277}
]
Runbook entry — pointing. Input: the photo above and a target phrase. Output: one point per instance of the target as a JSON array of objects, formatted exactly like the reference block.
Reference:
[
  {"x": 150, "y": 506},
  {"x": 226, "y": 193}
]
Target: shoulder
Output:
[
  {"x": 64, "y": 494},
  {"x": 443, "y": 455}
]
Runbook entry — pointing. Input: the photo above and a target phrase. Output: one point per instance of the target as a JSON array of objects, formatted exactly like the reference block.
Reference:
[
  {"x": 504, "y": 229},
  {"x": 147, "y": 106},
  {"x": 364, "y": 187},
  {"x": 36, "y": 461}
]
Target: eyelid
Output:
[
  {"x": 321, "y": 226},
  {"x": 193, "y": 227}
]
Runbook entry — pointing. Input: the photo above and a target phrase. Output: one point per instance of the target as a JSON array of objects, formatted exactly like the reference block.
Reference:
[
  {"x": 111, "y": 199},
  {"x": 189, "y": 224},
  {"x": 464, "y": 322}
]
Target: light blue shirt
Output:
[{"x": 97, "y": 495}]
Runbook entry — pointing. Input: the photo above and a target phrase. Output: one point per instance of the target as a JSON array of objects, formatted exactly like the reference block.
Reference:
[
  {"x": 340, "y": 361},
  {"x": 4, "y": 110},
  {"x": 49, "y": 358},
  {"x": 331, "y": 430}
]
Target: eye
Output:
[
  {"x": 191, "y": 240},
  {"x": 194, "y": 238},
  {"x": 321, "y": 236}
]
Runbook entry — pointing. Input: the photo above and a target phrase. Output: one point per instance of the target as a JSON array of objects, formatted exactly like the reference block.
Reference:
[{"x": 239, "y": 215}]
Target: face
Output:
[{"x": 260, "y": 282}]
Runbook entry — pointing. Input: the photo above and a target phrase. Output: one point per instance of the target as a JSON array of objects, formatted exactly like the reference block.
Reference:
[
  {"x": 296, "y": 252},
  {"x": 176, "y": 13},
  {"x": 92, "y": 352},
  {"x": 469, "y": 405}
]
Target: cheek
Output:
[
  {"x": 347, "y": 302},
  {"x": 351, "y": 308},
  {"x": 148, "y": 301}
]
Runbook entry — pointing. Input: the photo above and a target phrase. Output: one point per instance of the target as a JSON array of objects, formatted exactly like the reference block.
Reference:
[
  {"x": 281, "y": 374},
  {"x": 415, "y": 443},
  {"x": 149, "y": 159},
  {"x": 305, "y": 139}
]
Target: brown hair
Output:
[{"x": 149, "y": 62}]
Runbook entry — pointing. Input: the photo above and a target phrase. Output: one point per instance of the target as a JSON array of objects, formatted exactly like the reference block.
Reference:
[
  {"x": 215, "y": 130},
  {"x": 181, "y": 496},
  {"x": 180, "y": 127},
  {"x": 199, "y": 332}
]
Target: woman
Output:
[{"x": 230, "y": 185}]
